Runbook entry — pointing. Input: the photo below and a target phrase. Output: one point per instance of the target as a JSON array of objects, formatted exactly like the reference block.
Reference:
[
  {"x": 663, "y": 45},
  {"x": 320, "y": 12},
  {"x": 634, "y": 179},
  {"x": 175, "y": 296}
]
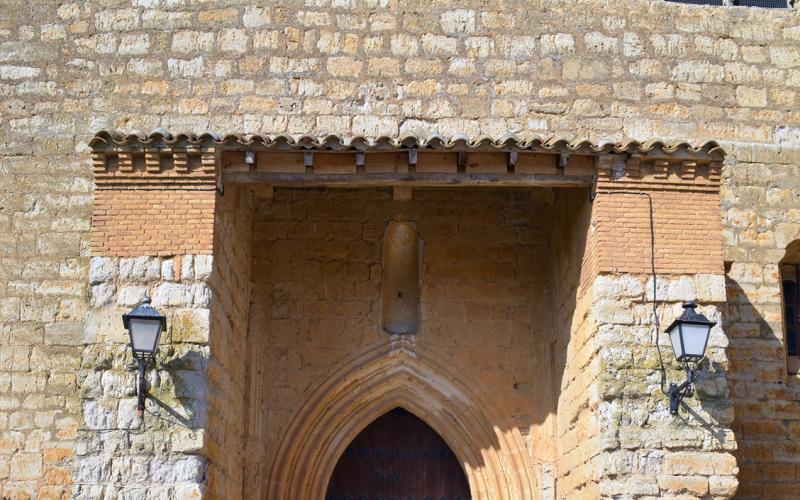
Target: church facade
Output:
[{"x": 444, "y": 237}]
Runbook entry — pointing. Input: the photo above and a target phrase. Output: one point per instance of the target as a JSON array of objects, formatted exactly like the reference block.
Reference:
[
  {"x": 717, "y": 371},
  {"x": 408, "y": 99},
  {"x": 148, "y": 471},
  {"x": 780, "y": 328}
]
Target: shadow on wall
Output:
[
  {"x": 181, "y": 395},
  {"x": 765, "y": 396},
  {"x": 559, "y": 414}
]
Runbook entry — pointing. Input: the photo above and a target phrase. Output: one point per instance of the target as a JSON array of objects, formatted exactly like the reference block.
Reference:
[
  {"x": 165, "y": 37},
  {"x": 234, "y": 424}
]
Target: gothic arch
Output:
[{"x": 370, "y": 383}]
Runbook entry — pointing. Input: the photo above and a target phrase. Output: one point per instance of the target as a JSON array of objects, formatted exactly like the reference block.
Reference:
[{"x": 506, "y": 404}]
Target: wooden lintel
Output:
[
  {"x": 412, "y": 179},
  {"x": 402, "y": 193}
]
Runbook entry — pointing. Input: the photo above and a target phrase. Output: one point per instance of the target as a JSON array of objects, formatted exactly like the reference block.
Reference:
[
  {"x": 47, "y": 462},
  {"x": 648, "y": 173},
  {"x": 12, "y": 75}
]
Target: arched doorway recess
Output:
[
  {"x": 374, "y": 381},
  {"x": 398, "y": 456}
]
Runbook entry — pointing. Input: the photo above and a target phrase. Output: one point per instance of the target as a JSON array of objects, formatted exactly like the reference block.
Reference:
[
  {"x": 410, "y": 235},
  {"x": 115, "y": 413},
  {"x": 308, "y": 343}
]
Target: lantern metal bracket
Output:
[
  {"x": 141, "y": 386},
  {"x": 678, "y": 392}
]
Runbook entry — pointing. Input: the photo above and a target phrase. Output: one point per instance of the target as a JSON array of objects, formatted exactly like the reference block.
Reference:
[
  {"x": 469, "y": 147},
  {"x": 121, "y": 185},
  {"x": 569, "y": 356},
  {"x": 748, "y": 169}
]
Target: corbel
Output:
[
  {"x": 604, "y": 163},
  {"x": 563, "y": 162},
  {"x": 360, "y": 162},
  {"x": 152, "y": 160},
  {"x": 633, "y": 166},
  {"x": 180, "y": 159},
  {"x": 715, "y": 171},
  {"x": 250, "y": 160},
  {"x": 99, "y": 162},
  {"x": 462, "y": 161},
  {"x": 308, "y": 162},
  {"x": 513, "y": 156},
  {"x": 688, "y": 170},
  {"x": 125, "y": 162},
  {"x": 210, "y": 160},
  {"x": 660, "y": 169},
  {"x": 412, "y": 160}
]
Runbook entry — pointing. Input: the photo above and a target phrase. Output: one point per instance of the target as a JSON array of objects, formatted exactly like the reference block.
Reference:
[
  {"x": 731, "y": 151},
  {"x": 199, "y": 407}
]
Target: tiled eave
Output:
[
  {"x": 106, "y": 139},
  {"x": 137, "y": 158}
]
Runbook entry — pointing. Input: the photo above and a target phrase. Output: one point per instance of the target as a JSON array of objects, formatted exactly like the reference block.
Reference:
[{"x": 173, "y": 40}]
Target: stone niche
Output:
[{"x": 401, "y": 274}]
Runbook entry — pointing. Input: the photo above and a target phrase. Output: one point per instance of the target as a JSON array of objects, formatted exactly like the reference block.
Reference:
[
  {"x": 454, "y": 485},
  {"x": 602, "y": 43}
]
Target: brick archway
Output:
[{"x": 369, "y": 384}]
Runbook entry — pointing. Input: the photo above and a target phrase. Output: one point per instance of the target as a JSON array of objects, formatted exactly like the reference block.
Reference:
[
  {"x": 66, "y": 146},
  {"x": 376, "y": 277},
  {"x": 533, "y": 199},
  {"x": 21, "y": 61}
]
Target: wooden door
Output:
[{"x": 398, "y": 457}]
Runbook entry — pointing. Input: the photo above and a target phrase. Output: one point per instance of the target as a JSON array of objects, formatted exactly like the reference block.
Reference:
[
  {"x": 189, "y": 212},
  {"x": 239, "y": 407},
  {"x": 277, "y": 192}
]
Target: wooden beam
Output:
[
  {"x": 386, "y": 163},
  {"x": 339, "y": 163},
  {"x": 437, "y": 162},
  {"x": 411, "y": 179}
]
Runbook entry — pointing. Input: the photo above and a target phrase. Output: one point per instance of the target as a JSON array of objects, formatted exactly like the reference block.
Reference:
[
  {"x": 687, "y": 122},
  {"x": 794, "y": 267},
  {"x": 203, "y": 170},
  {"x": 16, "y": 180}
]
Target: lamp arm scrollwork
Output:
[{"x": 678, "y": 392}]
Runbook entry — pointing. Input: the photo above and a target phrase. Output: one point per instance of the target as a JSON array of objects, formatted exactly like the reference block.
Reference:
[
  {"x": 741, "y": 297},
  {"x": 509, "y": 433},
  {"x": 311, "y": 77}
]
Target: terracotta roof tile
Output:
[{"x": 161, "y": 138}]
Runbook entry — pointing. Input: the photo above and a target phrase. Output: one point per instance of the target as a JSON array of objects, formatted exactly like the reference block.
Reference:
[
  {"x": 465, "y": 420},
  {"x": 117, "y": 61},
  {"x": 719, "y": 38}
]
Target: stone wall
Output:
[
  {"x": 572, "y": 265},
  {"x": 760, "y": 217},
  {"x": 226, "y": 376},
  {"x": 116, "y": 452},
  {"x": 631, "y": 68}
]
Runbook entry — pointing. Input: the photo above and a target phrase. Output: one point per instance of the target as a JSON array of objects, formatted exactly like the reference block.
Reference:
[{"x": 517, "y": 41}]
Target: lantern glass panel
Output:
[
  {"x": 145, "y": 333},
  {"x": 675, "y": 338},
  {"x": 694, "y": 338}
]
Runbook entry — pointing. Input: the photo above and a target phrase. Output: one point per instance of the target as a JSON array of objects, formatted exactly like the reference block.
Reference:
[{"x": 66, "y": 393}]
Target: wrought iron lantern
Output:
[
  {"x": 689, "y": 337},
  {"x": 144, "y": 325}
]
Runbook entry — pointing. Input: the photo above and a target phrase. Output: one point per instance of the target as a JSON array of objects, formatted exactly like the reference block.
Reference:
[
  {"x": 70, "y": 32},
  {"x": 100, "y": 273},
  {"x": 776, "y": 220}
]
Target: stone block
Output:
[
  {"x": 103, "y": 270},
  {"x": 438, "y": 45},
  {"x": 256, "y": 17},
  {"x": 615, "y": 287},
  {"x": 100, "y": 413},
  {"x": 187, "y": 441},
  {"x": 751, "y": 97},
  {"x": 105, "y": 325},
  {"x": 131, "y": 296},
  {"x": 458, "y": 21},
  {"x": 140, "y": 268},
  {"x": 190, "y": 491},
  {"x": 187, "y": 268},
  {"x": 190, "y": 325},
  {"x": 203, "y": 266},
  {"x": 26, "y": 466},
  {"x": 724, "y": 486},
  {"x": 190, "y": 469},
  {"x": 785, "y": 57},
  {"x": 64, "y": 333},
  {"x": 173, "y": 294},
  {"x": 692, "y": 485}
]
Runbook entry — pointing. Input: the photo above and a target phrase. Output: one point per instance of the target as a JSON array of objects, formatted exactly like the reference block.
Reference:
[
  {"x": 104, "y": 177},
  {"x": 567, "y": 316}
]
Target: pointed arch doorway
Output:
[
  {"x": 398, "y": 456},
  {"x": 374, "y": 381}
]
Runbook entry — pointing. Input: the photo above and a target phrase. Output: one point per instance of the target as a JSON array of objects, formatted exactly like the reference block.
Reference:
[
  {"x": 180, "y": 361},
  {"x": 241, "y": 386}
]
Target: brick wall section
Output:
[
  {"x": 158, "y": 221},
  {"x": 687, "y": 231},
  {"x": 760, "y": 218}
]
